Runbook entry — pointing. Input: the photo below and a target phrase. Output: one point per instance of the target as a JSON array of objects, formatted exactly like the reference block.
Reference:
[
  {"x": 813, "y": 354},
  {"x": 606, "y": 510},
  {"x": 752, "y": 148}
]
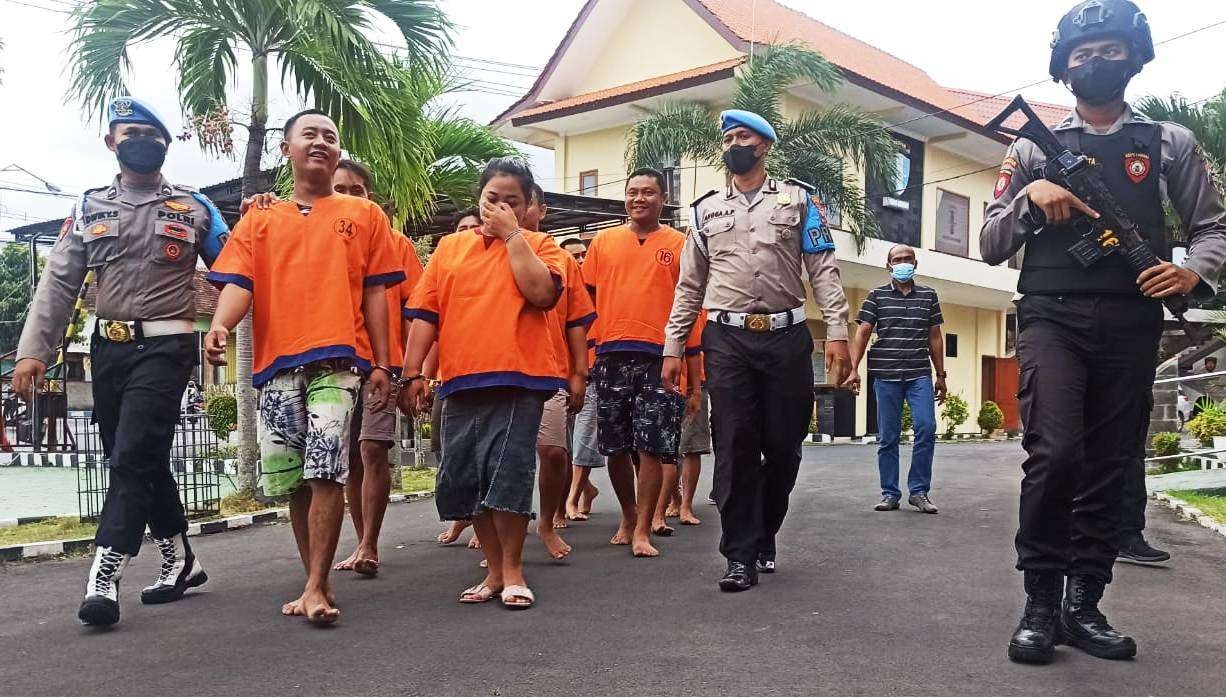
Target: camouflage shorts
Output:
[
  {"x": 305, "y": 417},
  {"x": 634, "y": 412}
]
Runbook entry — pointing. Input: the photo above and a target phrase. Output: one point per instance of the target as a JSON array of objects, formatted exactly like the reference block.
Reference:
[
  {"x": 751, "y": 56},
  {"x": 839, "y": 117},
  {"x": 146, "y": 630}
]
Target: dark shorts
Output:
[
  {"x": 634, "y": 412},
  {"x": 488, "y": 459}
]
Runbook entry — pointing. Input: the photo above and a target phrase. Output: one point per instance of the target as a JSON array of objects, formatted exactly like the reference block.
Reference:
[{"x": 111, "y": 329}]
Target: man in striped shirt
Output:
[{"x": 907, "y": 318}]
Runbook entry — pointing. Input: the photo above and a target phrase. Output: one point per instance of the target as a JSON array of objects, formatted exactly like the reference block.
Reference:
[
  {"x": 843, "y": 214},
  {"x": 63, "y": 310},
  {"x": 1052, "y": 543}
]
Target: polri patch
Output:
[
  {"x": 176, "y": 231},
  {"x": 172, "y": 250},
  {"x": 1137, "y": 166}
]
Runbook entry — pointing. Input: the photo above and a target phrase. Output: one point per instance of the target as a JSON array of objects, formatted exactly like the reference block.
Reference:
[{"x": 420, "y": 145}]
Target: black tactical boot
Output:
[
  {"x": 1083, "y": 625},
  {"x": 180, "y": 570},
  {"x": 1034, "y": 640}
]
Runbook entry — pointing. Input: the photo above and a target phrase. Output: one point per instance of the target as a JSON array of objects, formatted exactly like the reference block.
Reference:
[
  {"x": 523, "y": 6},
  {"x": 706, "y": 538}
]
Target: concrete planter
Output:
[{"x": 1219, "y": 443}]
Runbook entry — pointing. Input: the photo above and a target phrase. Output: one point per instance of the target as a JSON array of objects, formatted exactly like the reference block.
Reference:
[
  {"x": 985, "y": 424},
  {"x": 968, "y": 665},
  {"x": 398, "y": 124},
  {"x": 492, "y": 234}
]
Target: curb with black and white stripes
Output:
[
  {"x": 227, "y": 466},
  {"x": 33, "y": 550},
  {"x": 1188, "y": 512}
]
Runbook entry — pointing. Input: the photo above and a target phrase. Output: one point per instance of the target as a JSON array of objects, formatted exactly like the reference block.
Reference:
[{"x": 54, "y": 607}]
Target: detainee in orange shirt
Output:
[
  {"x": 485, "y": 297},
  {"x": 315, "y": 335},
  {"x": 632, "y": 272},
  {"x": 569, "y": 321}
]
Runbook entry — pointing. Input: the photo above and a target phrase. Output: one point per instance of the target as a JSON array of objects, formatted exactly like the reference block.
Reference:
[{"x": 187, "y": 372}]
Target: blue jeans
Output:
[{"x": 890, "y": 396}]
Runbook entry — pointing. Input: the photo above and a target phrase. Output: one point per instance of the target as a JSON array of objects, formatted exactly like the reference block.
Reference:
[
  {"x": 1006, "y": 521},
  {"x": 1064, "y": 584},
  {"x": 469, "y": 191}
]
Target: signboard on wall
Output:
[{"x": 953, "y": 223}]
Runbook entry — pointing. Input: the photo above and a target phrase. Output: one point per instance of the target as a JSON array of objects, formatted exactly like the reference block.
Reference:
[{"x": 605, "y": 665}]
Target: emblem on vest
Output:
[
  {"x": 1136, "y": 164},
  {"x": 664, "y": 257}
]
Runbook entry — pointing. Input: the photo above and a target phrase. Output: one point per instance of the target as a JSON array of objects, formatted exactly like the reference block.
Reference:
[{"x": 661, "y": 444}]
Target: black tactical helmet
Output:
[{"x": 1098, "y": 19}]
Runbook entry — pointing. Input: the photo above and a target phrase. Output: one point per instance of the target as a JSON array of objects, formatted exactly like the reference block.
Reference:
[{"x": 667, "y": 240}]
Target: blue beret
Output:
[
  {"x": 738, "y": 117},
  {"x": 132, "y": 110}
]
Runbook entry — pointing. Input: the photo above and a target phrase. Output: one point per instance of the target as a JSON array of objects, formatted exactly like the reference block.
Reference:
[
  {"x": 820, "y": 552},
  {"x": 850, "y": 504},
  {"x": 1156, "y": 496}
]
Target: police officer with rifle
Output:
[{"x": 1086, "y": 203}]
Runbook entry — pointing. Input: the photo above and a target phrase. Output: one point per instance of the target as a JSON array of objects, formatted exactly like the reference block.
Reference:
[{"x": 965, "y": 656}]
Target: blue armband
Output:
[
  {"x": 218, "y": 233},
  {"x": 816, "y": 235}
]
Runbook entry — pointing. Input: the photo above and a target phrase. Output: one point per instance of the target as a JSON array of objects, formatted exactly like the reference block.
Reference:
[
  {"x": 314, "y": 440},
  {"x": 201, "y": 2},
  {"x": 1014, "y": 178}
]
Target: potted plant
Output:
[
  {"x": 1209, "y": 426},
  {"x": 990, "y": 418},
  {"x": 955, "y": 412}
]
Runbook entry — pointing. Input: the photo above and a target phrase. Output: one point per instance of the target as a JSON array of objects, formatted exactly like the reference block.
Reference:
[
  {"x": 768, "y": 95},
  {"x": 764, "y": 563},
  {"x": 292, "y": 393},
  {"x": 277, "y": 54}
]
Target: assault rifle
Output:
[{"x": 1114, "y": 232}]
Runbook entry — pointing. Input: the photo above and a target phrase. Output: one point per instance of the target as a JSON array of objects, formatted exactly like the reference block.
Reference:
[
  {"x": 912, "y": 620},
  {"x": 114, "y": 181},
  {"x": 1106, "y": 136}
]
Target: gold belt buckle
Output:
[
  {"x": 758, "y": 323},
  {"x": 118, "y": 332}
]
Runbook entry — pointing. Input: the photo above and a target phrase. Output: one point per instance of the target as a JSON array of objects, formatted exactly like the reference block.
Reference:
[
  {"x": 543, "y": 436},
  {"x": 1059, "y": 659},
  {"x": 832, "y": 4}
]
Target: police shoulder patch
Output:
[{"x": 804, "y": 185}]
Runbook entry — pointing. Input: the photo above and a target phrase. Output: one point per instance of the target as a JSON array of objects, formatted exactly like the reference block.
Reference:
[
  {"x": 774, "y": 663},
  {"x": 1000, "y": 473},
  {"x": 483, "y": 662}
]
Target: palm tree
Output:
[
  {"x": 813, "y": 147},
  {"x": 324, "y": 51},
  {"x": 1206, "y": 120}
]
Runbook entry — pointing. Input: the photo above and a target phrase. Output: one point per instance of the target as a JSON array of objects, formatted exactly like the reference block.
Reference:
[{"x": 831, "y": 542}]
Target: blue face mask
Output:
[{"x": 902, "y": 272}]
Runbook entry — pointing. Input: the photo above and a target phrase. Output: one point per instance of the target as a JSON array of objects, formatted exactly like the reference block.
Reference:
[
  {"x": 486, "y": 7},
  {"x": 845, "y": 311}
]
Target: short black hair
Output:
[
  {"x": 461, "y": 215},
  {"x": 359, "y": 169},
  {"x": 538, "y": 194},
  {"x": 511, "y": 167},
  {"x": 647, "y": 172},
  {"x": 289, "y": 123},
  {"x": 574, "y": 240}
]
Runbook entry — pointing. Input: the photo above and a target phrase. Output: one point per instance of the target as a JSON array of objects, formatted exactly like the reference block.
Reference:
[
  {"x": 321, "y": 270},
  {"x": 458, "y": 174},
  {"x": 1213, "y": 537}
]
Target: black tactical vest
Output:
[{"x": 1129, "y": 161}]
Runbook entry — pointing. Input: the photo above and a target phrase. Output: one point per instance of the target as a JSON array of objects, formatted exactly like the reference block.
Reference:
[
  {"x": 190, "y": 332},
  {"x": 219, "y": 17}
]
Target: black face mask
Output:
[
  {"x": 141, "y": 155},
  {"x": 740, "y": 158},
  {"x": 1100, "y": 81}
]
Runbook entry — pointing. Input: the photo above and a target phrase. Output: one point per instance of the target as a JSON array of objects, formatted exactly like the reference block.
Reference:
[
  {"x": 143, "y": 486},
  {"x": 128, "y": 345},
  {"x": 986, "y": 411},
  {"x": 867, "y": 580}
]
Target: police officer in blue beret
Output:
[
  {"x": 141, "y": 236},
  {"x": 745, "y": 261}
]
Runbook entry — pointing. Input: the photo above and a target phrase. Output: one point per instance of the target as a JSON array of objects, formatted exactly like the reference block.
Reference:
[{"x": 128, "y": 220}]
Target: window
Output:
[
  {"x": 1011, "y": 334},
  {"x": 672, "y": 185},
  {"x": 953, "y": 223},
  {"x": 587, "y": 183},
  {"x": 951, "y": 345}
]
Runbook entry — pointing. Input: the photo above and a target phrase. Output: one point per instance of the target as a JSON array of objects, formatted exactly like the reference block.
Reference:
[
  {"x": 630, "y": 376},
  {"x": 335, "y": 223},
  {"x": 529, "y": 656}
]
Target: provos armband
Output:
[{"x": 816, "y": 237}]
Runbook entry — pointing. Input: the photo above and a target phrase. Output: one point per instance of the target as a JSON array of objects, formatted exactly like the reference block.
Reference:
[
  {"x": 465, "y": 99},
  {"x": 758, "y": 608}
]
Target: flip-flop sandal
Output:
[
  {"x": 478, "y": 594},
  {"x": 522, "y": 592},
  {"x": 366, "y": 567}
]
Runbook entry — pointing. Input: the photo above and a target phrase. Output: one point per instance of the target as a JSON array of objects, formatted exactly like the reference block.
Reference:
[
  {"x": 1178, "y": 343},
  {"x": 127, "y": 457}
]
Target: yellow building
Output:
[{"x": 623, "y": 59}]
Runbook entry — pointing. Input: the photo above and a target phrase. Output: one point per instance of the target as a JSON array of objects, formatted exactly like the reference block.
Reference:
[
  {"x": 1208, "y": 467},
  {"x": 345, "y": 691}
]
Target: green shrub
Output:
[
  {"x": 955, "y": 412},
  {"x": 222, "y": 410},
  {"x": 1165, "y": 444},
  {"x": 425, "y": 430},
  {"x": 908, "y": 421},
  {"x": 990, "y": 417},
  {"x": 813, "y": 421},
  {"x": 1210, "y": 422}
]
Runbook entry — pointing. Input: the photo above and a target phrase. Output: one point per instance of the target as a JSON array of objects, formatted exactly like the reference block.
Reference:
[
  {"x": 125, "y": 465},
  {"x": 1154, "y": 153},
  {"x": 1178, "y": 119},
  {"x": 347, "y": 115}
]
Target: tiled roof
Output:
[
  {"x": 613, "y": 94},
  {"x": 982, "y": 107}
]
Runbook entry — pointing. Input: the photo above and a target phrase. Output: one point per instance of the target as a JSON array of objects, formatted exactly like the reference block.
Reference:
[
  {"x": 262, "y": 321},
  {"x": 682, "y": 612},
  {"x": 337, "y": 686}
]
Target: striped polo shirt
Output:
[{"x": 902, "y": 323}]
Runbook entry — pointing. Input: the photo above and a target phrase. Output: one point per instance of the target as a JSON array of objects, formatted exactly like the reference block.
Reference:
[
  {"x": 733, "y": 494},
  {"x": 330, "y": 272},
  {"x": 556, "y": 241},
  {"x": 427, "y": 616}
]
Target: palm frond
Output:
[
  {"x": 678, "y": 129},
  {"x": 776, "y": 68},
  {"x": 1206, "y": 121},
  {"x": 848, "y": 133},
  {"x": 426, "y": 31},
  {"x": 207, "y": 64}
]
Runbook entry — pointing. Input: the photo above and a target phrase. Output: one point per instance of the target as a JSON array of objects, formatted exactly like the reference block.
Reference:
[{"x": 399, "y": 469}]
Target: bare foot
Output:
[
  {"x": 452, "y": 533},
  {"x": 586, "y": 498},
  {"x": 559, "y": 522},
  {"x": 688, "y": 518},
  {"x": 659, "y": 527},
  {"x": 347, "y": 564},
  {"x": 554, "y": 544},
  {"x": 367, "y": 567},
  {"x": 318, "y": 610},
  {"x": 474, "y": 543},
  {"x": 293, "y": 607},
  {"x": 643, "y": 548},
  {"x": 672, "y": 511},
  {"x": 622, "y": 536}
]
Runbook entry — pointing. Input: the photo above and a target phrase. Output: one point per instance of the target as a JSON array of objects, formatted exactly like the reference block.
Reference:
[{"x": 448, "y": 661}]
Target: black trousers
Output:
[
  {"x": 1087, "y": 372},
  {"x": 137, "y": 390},
  {"x": 761, "y": 388},
  {"x": 1133, "y": 499}
]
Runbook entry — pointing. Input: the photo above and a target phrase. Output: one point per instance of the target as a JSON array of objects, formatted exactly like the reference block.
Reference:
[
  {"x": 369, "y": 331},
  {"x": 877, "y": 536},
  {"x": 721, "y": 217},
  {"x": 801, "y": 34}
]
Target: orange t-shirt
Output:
[
  {"x": 633, "y": 284},
  {"x": 398, "y": 299},
  {"x": 489, "y": 335},
  {"x": 574, "y": 309},
  {"x": 306, "y": 274},
  {"x": 693, "y": 347}
]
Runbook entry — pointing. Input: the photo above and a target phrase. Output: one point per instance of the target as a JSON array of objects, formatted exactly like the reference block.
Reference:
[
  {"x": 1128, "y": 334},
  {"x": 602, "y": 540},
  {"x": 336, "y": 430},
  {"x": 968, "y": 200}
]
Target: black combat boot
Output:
[
  {"x": 1034, "y": 640},
  {"x": 1083, "y": 625}
]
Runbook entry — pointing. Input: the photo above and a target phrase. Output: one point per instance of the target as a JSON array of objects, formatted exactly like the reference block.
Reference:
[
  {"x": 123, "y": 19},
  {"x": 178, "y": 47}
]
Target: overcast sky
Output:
[{"x": 989, "y": 47}]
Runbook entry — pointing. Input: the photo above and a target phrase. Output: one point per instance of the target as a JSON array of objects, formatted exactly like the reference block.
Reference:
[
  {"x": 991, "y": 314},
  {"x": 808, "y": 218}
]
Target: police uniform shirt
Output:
[
  {"x": 745, "y": 256},
  {"x": 1184, "y": 180},
  {"x": 142, "y": 244}
]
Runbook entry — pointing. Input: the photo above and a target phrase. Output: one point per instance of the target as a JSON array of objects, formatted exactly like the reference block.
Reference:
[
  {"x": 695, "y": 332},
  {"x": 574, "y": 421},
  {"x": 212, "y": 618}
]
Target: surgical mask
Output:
[
  {"x": 740, "y": 158},
  {"x": 1099, "y": 81},
  {"x": 902, "y": 272},
  {"x": 141, "y": 155}
]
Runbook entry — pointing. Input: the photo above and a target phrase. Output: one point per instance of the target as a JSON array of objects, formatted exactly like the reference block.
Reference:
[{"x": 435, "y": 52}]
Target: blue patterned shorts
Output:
[{"x": 633, "y": 410}]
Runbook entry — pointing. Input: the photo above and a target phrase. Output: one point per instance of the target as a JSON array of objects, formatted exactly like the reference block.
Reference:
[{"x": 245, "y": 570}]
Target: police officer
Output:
[
  {"x": 140, "y": 236},
  {"x": 745, "y": 260},
  {"x": 1088, "y": 337}
]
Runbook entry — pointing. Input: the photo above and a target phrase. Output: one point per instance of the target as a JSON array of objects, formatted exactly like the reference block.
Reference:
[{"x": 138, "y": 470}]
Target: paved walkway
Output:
[
  {"x": 1194, "y": 479},
  {"x": 866, "y": 603}
]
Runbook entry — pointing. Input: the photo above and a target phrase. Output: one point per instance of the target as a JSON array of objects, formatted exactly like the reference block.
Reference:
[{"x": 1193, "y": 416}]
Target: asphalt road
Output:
[{"x": 865, "y": 604}]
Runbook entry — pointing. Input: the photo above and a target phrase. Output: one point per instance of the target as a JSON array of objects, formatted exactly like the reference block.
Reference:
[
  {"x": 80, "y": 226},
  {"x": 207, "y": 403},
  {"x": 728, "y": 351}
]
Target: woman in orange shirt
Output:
[{"x": 485, "y": 298}]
